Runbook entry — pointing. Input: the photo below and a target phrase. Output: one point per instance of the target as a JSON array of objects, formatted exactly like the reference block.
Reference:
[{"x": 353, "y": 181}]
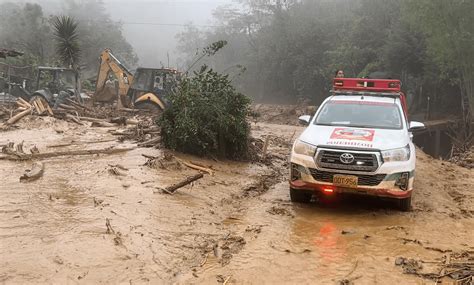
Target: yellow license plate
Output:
[{"x": 345, "y": 181}]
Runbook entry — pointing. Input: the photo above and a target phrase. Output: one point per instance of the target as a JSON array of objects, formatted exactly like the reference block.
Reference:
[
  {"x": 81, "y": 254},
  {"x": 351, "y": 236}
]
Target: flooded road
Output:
[{"x": 83, "y": 223}]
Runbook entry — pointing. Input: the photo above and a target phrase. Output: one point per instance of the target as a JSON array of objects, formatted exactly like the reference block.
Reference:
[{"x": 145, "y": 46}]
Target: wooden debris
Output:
[
  {"x": 34, "y": 150},
  {"x": 22, "y": 156},
  {"x": 171, "y": 189},
  {"x": 34, "y": 173},
  {"x": 265, "y": 146},
  {"x": 68, "y": 107},
  {"x": 196, "y": 167},
  {"x": 74, "y": 119},
  {"x": 18, "y": 116},
  {"x": 109, "y": 230},
  {"x": 150, "y": 143},
  {"x": 103, "y": 124}
]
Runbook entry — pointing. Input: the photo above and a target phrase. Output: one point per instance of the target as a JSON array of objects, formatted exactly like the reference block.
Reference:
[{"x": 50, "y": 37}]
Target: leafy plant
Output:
[
  {"x": 207, "y": 116},
  {"x": 67, "y": 38}
]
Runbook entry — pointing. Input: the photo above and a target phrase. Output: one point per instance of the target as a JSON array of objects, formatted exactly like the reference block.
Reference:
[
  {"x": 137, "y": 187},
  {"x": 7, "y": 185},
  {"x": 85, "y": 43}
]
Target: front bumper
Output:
[{"x": 304, "y": 171}]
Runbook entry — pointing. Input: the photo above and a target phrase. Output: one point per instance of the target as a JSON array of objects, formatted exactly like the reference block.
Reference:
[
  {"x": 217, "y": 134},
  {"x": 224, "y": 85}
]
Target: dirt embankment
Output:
[{"x": 103, "y": 218}]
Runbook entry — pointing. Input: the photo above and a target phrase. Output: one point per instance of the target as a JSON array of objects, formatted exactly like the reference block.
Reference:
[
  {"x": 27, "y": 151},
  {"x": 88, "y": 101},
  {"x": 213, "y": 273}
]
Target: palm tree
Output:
[
  {"x": 67, "y": 46},
  {"x": 67, "y": 41}
]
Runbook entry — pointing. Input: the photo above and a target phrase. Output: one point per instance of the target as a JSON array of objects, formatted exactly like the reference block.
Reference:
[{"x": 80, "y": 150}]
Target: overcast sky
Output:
[{"x": 152, "y": 42}]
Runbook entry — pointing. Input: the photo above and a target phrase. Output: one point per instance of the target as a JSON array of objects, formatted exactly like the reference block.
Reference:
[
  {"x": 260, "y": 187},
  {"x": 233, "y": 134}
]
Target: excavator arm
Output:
[{"x": 110, "y": 64}]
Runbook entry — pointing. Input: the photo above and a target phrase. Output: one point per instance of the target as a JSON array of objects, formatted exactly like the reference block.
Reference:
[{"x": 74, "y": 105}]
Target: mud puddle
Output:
[{"x": 83, "y": 223}]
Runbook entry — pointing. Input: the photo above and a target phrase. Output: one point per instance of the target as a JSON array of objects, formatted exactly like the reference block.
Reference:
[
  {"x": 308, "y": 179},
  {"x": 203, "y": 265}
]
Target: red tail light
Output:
[{"x": 328, "y": 190}]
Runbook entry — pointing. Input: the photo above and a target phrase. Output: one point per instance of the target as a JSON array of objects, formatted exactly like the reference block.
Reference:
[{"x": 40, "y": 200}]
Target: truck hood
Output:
[{"x": 366, "y": 138}]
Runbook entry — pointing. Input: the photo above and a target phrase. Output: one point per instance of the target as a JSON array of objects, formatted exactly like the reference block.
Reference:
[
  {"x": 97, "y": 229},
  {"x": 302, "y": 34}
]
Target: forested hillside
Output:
[
  {"x": 282, "y": 51},
  {"x": 28, "y": 28}
]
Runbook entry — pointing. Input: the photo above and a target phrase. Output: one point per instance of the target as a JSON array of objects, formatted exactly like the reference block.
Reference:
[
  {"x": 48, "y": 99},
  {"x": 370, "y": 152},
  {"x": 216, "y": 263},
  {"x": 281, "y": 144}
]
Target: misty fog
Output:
[{"x": 150, "y": 26}]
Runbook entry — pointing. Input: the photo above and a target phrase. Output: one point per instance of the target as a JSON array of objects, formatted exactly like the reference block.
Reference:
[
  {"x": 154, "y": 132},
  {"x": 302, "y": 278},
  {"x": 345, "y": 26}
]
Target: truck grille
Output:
[
  {"x": 364, "y": 180},
  {"x": 362, "y": 161}
]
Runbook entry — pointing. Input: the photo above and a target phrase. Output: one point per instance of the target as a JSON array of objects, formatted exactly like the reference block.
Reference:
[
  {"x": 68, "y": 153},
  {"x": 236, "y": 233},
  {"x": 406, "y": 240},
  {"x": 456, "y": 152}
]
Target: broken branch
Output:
[{"x": 171, "y": 189}]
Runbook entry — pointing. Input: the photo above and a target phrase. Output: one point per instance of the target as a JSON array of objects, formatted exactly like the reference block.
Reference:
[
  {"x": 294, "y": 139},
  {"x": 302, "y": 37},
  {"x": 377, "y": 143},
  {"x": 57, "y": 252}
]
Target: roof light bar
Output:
[{"x": 359, "y": 84}]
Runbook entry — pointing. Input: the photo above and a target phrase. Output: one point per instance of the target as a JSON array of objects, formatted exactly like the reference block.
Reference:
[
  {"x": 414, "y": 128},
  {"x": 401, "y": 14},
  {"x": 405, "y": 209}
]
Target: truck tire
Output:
[
  {"x": 404, "y": 204},
  {"x": 300, "y": 196}
]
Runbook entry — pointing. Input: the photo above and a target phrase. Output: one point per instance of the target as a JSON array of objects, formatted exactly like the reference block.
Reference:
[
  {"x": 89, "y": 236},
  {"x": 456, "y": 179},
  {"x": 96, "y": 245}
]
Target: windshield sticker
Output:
[{"x": 352, "y": 134}]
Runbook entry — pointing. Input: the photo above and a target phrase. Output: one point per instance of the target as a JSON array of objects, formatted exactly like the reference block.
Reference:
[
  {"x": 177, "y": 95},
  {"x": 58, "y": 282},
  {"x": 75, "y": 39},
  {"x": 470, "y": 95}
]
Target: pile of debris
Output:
[
  {"x": 464, "y": 159},
  {"x": 452, "y": 268}
]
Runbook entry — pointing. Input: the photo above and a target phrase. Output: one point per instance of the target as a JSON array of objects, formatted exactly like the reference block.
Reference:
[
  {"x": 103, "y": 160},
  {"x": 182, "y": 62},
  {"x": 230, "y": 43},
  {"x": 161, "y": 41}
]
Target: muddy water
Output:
[
  {"x": 353, "y": 239},
  {"x": 53, "y": 230}
]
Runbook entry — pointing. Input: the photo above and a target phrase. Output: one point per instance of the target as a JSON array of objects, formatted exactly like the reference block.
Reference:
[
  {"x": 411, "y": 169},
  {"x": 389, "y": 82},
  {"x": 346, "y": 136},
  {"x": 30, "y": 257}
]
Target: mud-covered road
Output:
[{"x": 236, "y": 227}]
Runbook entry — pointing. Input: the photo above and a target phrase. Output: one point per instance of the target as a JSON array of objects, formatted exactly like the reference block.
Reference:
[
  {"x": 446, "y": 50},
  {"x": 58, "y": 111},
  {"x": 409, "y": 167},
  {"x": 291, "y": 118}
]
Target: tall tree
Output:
[{"x": 67, "y": 41}]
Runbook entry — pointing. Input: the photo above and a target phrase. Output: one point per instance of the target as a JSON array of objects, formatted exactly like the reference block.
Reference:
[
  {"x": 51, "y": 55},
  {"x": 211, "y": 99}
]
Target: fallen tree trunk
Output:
[
  {"x": 151, "y": 142},
  {"x": 103, "y": 124},
  {"x": 18, "y": 156},
  {"x": 197, "y": 167},
  {"x": 171, "y": 189},
  {"x": 33, "y": 174},
  {"x": 18, "y": 117},
  {"x": 74, "y": 119}
]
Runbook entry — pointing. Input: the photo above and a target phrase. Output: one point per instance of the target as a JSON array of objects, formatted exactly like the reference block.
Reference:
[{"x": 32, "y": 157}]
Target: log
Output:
[
  {"x": 50, "y": 111},
  {"x": 34, "y": 173},
  {"x": 18, "y": 156},
  {"x": 103, "y": 124},
  {"x": 24, "y": 102},
  {"x": 76, "y": 104},
  {"x": 171, "y": 189},
  {"x": 36, "y": 107},
  {"x": 67, "y": 107},
  {"x": 41, "y": 106},
  {"x": 151, "y": 142},
  {"x": 74, "y": 119},
  {"x": 94, "y": 120},
  {"x": 18, "y": 117},
  {"x": 265, "y": 146},
  {"x": 196, "y": 167}
]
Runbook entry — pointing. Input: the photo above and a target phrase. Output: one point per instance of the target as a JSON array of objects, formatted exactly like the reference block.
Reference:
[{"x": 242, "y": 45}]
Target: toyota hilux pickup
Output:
[{"x": 359, "y": 141}]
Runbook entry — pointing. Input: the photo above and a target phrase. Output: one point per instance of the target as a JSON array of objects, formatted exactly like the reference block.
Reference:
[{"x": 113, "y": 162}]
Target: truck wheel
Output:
[
  {"x": 404, "y": 204},
  {"x": 300, "y": 196}
]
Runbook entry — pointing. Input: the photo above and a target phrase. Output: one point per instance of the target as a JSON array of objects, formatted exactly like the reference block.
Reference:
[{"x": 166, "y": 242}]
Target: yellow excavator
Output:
[
  {"x": 105, "y": 87},
  {"x": 147, "y": 89}
]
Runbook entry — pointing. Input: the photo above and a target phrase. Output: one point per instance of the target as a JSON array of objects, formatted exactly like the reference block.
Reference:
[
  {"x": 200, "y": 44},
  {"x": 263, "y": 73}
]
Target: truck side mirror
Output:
[
  {"x": 304, "y": 120},
  {"x": 416, "y": 126}
]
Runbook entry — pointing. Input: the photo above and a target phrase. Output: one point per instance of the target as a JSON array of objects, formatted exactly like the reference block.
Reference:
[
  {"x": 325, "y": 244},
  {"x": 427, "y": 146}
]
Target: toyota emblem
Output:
[{"x": 346, "y": 158}]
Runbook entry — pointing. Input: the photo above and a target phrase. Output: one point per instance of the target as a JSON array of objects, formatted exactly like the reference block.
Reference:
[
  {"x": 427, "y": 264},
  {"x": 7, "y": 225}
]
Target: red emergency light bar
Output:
[{"x": 364, "y": 84}]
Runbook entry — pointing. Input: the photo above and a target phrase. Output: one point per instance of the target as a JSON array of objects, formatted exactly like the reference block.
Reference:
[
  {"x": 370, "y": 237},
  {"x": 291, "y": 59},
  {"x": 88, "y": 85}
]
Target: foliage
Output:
[
  {"x": 67, "y": 46},
  {"x": 26, "y": 27},
  {"x": 97, "y": 32},
  {"x": 207, "y": 116},
  {"x": 449, "y": 32},
  {"x": 292, "y": 48}
]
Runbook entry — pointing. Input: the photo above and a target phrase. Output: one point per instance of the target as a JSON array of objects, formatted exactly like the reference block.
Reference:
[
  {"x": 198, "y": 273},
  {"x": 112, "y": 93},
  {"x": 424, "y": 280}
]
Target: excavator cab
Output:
[
  {"x": 148, "y": 88},
  {"x": 152, "y": 86}
]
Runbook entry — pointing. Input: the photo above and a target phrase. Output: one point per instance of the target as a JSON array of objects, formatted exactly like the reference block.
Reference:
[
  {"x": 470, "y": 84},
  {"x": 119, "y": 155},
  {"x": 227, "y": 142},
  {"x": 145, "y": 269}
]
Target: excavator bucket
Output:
[{"x": 106, "y": 94}]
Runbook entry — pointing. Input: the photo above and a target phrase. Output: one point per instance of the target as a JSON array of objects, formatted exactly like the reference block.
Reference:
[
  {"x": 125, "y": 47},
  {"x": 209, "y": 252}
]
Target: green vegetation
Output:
[
  {"x": 30, "y": 29},
  {"x": 67, "y": 47},
  {"x": 207, "y": 116},
  {"x": 292, "y": 48}
]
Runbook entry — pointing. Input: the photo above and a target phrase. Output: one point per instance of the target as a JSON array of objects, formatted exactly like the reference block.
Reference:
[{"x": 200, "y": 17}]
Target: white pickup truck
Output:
[{"x": 359, "y": 141}]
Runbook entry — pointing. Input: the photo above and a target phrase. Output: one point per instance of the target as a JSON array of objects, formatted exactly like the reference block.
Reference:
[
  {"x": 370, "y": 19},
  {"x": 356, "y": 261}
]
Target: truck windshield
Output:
[{"x": 360, "y": 114}]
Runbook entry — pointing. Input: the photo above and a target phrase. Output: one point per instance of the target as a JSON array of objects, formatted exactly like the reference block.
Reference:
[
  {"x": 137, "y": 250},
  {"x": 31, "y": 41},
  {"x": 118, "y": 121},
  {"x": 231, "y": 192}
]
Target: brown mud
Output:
[{"x": 103, "y": 219}]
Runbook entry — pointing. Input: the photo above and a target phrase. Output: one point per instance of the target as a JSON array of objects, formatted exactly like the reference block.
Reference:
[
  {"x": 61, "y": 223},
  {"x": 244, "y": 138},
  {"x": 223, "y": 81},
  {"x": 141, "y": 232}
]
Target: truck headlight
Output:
[
  {"x": 304, "y": 148},
  {"x": 398, "y": 154}
]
